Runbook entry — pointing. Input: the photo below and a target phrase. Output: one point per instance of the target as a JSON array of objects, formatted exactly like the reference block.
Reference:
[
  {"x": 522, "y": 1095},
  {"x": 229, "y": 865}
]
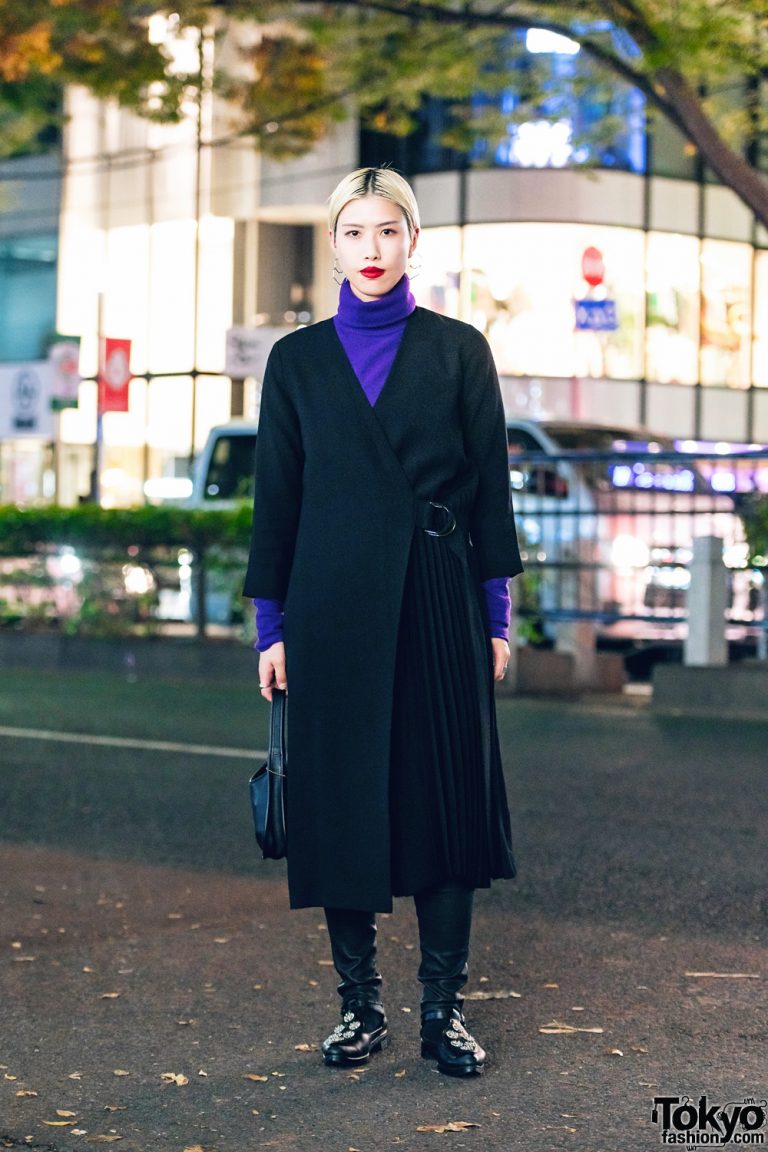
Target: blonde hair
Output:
[{"x": 374, "y": 182}]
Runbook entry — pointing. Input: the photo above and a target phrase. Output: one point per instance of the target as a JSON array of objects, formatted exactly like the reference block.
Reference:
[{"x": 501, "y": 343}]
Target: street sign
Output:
[
  {"x": 596, "y": 315},
  {"x": 593, "y": 266}
]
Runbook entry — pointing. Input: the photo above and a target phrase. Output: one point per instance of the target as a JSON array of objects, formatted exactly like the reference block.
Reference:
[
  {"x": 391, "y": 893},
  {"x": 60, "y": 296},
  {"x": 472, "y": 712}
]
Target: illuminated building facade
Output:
[{"x": 633, "y": 293}]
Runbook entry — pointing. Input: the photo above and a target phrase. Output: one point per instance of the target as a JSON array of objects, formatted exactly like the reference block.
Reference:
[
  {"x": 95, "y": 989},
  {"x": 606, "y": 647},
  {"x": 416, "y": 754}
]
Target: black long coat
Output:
[{"x": 340, "y": 489}]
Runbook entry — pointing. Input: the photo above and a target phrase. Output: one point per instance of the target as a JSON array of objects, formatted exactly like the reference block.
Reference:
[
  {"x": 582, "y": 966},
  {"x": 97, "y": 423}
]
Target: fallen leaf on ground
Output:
[
  {"x": 23, "y": 959},
  {"x": 255, "y": 1076},
  {"x": 175, "y": 1078},
  {"x": 500, "y": 995},
  {"x": 9, "y": 1077},
  {"x": 557, "y": 1028},
  {"x": 120, "y": 1072},
  {"x": 305, "y": 1047},
  {"x": 725, "y": 975},
  {"x": 186, "y": 1023},
  {"x": 202, "y": 1072},
  {"x": 550, "y": 985},
  {"x": 57, "y": 1123},
  {"x": 65, "y": 1112},
  {"x": 614, "y": 1052},
  {"x": 75, "y": 1076},
  {"x": 26, "y": 1092},
  {"x": 221, "y": 939},
  {"x": 194, "y": 1148},
  {"x": 453, "y": 1126},
  {"x": 110, "y": 995}
]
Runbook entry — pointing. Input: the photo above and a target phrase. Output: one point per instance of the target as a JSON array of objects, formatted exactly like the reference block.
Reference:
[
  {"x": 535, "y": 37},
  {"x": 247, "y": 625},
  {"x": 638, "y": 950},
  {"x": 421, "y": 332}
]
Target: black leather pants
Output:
[
  {"x": 445, "y": 921},
  {"x": 353, "y": 948}
]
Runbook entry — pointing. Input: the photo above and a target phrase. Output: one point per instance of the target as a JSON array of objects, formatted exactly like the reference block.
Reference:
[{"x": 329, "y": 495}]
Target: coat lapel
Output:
[{"x": 361, "y": 414}]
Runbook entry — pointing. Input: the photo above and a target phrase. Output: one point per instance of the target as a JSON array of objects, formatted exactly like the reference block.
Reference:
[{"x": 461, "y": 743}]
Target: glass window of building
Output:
[
  {"x": 27, "y": 295},
  {"x": 672, "y": 308},
  {"x": 583, "y": 114},
  {"x": 726, "y": 325},
  {"x": 437, "y": 284},
  {"x": 760, "y": 346},
  {"x": 558, "y": 300}
]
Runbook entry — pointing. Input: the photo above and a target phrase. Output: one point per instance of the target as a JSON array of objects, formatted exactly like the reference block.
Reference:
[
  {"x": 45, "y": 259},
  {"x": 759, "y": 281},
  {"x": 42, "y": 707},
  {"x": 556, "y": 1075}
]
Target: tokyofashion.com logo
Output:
[{"x": 700, "y": 1124}]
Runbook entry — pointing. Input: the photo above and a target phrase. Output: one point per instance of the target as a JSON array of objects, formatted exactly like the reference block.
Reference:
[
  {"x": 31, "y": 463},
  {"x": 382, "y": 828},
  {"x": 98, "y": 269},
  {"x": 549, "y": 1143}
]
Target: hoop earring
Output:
[
  {"x": 414, "y": 268},
  {"x": 337, "y": 272}
]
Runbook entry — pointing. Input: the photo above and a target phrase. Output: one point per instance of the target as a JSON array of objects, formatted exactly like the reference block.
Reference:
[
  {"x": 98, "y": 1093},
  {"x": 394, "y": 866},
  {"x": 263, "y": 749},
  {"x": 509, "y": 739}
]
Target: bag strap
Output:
[{"x": 276, "y": 758}]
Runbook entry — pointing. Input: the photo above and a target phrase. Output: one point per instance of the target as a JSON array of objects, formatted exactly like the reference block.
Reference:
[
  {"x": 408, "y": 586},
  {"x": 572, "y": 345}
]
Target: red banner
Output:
[{"x": 115, "y": 376}]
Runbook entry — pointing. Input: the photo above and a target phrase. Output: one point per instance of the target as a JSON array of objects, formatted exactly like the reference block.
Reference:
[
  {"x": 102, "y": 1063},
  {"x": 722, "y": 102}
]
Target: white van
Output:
[
  {"x": 224, "y": 470},
  {"x": 606, "y": 517}
]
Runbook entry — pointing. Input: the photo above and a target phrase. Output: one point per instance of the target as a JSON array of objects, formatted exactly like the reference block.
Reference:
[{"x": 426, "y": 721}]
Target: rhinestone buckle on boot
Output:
[
  {"x": 458, "y": 1037},
  {"x": 346, "y": 1029}
]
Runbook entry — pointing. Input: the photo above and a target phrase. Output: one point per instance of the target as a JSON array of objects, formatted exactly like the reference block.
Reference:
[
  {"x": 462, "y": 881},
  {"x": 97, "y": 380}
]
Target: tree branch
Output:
[{"x": 500, "y": 18}]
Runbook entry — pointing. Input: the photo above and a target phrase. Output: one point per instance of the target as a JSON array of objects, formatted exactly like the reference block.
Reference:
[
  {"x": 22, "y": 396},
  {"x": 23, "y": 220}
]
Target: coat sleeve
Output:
[
  {"x": 278, "y": 487},
  {"x": 492, "y": 522}
]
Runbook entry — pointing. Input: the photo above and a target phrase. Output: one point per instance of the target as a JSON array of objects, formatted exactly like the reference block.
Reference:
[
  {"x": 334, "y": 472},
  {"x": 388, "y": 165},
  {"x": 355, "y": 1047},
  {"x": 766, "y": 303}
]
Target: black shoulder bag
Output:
[{"x": 267, "y": 785}]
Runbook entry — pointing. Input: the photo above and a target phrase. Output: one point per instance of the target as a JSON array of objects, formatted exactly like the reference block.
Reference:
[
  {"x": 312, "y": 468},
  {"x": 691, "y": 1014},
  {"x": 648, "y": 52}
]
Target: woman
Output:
[{"x": 383, "y": 540}]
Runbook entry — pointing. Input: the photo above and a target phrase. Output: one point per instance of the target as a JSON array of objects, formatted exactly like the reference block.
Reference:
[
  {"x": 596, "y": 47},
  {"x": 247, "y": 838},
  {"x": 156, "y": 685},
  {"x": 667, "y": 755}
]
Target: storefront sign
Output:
[
  {"x": 115, "y": 376},
  {"x": 596, "y": 316},
  {"x": 25, "y": 401},
  {"x": 247, "y": 350}
]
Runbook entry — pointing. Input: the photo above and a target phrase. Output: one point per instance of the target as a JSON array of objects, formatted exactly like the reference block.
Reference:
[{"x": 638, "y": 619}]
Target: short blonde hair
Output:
[{"x": 374, "y": 182}]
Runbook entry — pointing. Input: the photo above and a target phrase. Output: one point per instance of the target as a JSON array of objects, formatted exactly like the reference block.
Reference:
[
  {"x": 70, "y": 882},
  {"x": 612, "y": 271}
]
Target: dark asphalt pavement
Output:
[{"x": 156, "y": 993}]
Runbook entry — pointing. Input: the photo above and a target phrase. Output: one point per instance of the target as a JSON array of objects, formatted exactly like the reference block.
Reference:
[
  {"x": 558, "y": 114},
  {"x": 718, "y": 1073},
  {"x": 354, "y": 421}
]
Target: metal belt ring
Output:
[{"x": 446, "y": 531}]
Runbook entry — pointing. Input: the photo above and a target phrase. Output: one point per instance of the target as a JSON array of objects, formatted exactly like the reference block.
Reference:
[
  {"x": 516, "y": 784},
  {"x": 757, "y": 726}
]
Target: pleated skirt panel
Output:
[{"x": 449, "y": 816}]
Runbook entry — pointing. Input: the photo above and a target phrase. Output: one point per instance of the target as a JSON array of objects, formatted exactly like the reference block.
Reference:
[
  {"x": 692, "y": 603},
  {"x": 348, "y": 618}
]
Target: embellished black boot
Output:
[
  {"x": 445, "y": 1038},
  {"x": 362, "y": 1031},
  {"x": 363, "y": 1026},
  {"x": 445, "y": 921}
]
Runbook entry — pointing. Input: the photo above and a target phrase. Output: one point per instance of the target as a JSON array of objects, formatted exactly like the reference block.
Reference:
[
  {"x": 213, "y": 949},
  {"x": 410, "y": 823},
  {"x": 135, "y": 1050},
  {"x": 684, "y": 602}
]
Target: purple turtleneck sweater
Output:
[{"x": 370, "y": 333}]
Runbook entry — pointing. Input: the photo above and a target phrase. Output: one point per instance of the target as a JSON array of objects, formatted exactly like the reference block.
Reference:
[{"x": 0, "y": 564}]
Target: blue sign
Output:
[{"x": 596, "y": 316}]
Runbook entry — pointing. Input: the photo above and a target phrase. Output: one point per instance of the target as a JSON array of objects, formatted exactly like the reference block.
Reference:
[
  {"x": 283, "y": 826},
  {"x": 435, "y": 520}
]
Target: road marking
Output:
[{"x": 129, "y": 742}]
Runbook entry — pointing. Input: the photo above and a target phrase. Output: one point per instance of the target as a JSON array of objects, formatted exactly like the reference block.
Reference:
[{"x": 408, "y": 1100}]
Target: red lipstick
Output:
[{"x": 371, "y": 273}]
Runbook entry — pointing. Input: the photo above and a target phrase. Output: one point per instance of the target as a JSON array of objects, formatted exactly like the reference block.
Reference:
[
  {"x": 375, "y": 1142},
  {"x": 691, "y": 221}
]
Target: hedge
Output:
[{"x": 24, "y": 531}]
